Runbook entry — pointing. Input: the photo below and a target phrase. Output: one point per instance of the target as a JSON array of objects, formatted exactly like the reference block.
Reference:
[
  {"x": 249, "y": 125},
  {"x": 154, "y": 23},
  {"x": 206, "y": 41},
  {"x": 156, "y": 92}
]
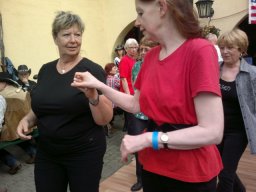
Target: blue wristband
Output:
[{"x": 155, "y": 140}]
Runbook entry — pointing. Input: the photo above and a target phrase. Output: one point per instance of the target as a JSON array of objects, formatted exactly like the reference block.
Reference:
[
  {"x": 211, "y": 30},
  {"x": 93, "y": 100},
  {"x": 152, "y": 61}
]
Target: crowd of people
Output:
[
  {"x": 198, "y": 132},
  {"x": 188, "y": 105},
  {"x": 15, "y": 103}
]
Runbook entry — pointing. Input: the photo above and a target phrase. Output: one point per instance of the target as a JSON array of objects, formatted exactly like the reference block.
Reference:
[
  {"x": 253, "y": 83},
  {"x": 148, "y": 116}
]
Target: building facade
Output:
[{"x": 27, "y": 36}]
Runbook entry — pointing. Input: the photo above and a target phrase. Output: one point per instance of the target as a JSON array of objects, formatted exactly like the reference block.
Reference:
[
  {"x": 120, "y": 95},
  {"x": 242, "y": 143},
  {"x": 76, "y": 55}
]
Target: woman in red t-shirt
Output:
[{"x": 178, "y": 89}]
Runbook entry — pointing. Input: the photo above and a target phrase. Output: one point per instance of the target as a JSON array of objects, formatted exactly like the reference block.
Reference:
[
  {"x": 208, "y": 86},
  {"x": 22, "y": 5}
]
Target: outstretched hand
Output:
[{"x": 84, "y": 80}]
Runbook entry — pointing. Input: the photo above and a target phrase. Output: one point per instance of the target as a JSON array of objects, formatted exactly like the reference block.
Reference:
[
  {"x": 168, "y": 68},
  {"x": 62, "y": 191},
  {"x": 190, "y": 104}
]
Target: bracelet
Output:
[
  {"x": 155, "y": 140},
  {"x": 95, "y": 102}
]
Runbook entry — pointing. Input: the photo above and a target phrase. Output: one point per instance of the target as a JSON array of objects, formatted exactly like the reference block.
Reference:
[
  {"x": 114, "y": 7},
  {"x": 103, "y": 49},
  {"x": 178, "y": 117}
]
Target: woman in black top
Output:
[
  {"x": 237, "y": 83},
  {"x": 71, "y": 142}
]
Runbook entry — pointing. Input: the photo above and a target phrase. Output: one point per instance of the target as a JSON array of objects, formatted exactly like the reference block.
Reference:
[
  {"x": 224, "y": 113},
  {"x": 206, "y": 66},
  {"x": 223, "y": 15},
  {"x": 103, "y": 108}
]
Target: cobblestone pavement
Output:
[{"x": 23, "y": 181}]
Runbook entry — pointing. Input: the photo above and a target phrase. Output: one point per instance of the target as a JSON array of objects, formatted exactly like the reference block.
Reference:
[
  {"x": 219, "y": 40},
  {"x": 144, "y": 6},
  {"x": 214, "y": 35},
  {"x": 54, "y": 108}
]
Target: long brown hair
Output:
[{"x": 185, "y": 17}]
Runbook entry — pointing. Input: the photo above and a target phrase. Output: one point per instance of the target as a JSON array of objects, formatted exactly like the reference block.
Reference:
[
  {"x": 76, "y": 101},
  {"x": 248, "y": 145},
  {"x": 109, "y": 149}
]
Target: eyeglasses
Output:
[{"x": 133, "y": 47}]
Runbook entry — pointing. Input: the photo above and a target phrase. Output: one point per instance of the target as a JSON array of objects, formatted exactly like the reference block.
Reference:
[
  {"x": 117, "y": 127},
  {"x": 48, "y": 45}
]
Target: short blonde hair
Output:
[
  {"x": 235, "y": 37},
  {"x": 65, "y": 20}
]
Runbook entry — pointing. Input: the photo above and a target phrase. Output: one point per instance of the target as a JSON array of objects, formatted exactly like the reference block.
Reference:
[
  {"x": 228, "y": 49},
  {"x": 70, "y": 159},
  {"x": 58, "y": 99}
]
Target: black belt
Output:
[{"x": 165, "y": 127}]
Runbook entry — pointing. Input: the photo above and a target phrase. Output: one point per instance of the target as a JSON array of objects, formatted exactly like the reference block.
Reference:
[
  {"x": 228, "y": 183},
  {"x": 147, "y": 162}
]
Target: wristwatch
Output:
[
  {"x": 164, "y": 140},
  {"x": 95, "y": 101}
]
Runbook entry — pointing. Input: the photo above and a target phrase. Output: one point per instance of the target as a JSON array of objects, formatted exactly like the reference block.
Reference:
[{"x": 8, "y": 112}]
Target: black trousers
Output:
[
  {"x": 82, "y": 172},
  {"x": 128, "y": 117},
  {"x": 157, "y": 183},
  {"x": 231, "y": 150},
  {"x": 136, "y": 127}
]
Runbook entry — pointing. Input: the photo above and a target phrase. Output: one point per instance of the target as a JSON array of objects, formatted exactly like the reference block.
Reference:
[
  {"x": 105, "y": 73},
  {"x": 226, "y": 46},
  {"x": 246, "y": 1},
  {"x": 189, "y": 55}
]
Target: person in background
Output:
[
  {"x": 238, "y": 87},
  {"x": 140, "y": 121},
  {"x": 71, "y": 142},
  {"x": 125, "y": 71},
  {"x": 5, "y": 156},
  {"x": 23, "y": 75},
  {"x": 213, "y": 39},
  {"x": 3, "y": 106},
  {"x": 18, "y": 104},
  {"x": 8, "y": 159},
  {"x": 119, "y": 50},
  {"x": 2, "y": 112},
  {"x": 113, "y": 81},
  {"x": 178, "y": 89}
]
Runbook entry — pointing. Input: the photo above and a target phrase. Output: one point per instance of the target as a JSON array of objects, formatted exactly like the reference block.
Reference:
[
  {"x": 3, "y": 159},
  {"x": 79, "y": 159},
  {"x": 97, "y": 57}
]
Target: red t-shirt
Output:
[
  {"x": 167, "y": 89},
  {"x": 125, "y": 70}
]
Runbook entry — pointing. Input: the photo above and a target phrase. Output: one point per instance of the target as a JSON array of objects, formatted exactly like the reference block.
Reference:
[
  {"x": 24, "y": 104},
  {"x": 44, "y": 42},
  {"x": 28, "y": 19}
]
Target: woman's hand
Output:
[
  {"x": 131, "y": 144},
  {"x": 85, "y": 80},
  {"x": 23, "y": 130},
  {"x": 25, "y": 124}
]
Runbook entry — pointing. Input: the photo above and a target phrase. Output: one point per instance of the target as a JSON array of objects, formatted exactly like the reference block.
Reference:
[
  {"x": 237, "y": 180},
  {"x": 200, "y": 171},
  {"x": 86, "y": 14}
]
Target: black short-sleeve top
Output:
[{"x": 65, "y": 122}]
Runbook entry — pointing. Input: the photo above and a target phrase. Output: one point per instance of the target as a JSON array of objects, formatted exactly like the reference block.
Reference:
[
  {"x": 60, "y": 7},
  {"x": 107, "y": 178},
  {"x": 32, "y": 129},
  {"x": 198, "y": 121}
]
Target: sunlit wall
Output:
[{"x": 27, "y": 26}]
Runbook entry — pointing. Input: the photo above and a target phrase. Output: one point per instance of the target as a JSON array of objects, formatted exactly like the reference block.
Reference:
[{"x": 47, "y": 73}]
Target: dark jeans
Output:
[
  {"x": 157, "y": 183},
  {"x": 136, "y": 127},
  {"x": 7, "y": 158},
  {"x": 231, "y": 149}
]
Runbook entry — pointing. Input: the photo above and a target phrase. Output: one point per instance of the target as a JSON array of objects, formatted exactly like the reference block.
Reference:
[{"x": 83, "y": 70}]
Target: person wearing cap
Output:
[
  {"x": 18, "y": 105},
  {"x": 119, "y": 50},
  {"x": 23, "y": 74}
]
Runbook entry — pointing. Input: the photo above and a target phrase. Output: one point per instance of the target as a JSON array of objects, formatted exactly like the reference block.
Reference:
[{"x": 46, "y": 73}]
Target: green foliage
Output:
[{"x": 210, "y": 29}]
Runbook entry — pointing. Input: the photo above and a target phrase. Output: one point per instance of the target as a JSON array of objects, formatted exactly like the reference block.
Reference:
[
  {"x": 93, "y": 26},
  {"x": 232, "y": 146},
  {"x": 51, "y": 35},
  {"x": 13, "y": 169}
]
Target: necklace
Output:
[
  {"x": 63, "y": 71},
  {"x": 63, "y": 68}
]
